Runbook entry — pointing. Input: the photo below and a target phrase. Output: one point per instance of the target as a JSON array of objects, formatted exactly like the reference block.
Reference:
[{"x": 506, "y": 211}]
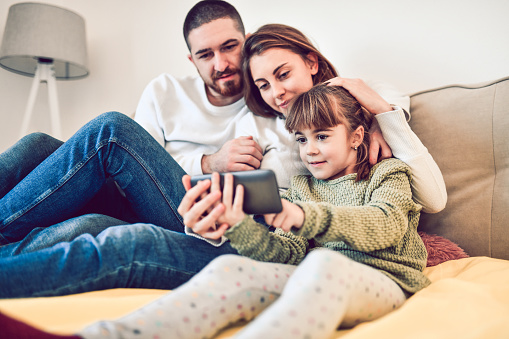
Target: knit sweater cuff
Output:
[
  {"x": 213, "y": 242},
  {"x": 310, "y": 228},
  {"x": 244, "y": 232}
]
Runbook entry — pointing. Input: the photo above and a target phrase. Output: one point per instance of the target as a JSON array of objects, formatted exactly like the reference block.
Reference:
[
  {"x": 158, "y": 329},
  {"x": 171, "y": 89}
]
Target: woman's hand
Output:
[
  {"x": 375, "y": 104},
  {"x": 378, "y": 147},
  {"x": 367, "y": 97},
  {"x": 291, "y": 216}
]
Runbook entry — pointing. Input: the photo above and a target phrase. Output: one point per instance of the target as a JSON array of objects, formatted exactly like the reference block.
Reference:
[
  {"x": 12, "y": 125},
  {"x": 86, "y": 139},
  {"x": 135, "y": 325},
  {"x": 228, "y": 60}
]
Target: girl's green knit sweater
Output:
[{"x": 372, "y": 221}]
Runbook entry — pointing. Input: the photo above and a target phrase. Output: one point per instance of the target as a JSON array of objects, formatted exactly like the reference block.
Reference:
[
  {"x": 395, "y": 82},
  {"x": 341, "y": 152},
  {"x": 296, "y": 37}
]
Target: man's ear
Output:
[
  {"x": 312, "y": 61},
  {"x": 190, "y": 58}
]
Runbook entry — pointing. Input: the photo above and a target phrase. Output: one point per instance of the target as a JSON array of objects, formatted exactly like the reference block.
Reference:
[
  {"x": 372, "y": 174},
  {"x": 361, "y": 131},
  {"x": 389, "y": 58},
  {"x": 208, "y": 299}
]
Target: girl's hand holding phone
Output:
[
  {"x": 291, "y": 216},
  {"x": 204, "y": 212},
  {"x": 233, "y": 212}
]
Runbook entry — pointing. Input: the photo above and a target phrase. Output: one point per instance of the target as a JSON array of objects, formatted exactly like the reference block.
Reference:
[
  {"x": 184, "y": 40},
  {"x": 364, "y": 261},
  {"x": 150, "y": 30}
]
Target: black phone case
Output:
[{"x": 261, "y": 192}]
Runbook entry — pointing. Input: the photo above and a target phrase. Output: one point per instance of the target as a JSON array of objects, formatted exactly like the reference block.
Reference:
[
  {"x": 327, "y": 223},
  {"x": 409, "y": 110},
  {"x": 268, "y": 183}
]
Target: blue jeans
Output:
[
  {"x": 47, "y": 250},
  {"x": 23, "y": 157},
  {"x": 112, "y": 147},
  {"x": 30, "y": 151},
  {"x": 138, "y": 255},
  {"x": 45, "y": 237}
]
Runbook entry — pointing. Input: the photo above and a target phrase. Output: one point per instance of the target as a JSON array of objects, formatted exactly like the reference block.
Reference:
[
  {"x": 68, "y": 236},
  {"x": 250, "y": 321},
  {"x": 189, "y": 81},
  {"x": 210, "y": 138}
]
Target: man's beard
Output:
[{"x": 229, "y": 88}]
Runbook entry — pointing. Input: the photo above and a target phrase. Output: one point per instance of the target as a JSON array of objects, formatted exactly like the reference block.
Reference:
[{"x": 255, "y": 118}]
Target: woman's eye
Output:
[
  {"x": 284, "y": 75},
  {"x": 263, "y": 87}
]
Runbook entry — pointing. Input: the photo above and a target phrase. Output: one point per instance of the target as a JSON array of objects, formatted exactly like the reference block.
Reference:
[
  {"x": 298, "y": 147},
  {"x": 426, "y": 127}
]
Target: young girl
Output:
[{"x": 359, "y": 223}]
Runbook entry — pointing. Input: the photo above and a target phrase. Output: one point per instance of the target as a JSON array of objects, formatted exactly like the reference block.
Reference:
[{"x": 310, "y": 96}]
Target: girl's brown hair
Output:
[
  {"x": 326, "y": 106},
  {"x": 278, "y": 36}
]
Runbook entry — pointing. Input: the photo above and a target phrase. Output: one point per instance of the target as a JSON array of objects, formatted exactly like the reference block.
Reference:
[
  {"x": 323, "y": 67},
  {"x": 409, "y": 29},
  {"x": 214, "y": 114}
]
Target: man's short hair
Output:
[{"x": 206, "y": 11}]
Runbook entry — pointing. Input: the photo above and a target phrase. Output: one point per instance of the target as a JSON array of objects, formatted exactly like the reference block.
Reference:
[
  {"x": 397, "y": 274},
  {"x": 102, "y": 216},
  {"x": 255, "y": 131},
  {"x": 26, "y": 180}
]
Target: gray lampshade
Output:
[{"x": 40, "y": 32}]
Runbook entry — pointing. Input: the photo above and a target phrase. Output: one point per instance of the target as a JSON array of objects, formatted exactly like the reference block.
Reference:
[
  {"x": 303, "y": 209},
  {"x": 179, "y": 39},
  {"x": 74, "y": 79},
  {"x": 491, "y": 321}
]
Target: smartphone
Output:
[{"x": 261, "y": 192}]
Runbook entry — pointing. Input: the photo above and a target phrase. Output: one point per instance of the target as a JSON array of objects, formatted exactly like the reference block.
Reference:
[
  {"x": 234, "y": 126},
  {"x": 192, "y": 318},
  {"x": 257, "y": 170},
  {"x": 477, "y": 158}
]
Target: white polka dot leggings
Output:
[{"x": 307, "y": 301}]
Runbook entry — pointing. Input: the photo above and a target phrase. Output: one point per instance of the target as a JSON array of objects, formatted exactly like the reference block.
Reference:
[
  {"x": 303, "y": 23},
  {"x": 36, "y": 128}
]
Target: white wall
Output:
[{"x": 412, "y": 44}]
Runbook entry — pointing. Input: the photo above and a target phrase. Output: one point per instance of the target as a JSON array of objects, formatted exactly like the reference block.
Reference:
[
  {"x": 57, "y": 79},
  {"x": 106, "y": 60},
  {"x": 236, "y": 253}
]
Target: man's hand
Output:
[
  {"x": 240, "y": 154},
  {"x": 291, "y": 216}
]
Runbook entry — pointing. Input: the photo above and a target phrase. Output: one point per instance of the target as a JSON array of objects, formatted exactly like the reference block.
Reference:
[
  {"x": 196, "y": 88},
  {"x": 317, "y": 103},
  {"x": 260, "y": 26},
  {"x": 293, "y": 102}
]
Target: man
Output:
[{"x": 209, "y": 106}]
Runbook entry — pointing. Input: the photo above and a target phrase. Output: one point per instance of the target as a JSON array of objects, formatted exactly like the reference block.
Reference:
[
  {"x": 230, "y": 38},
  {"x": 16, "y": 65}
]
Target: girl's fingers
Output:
[
  {"x": 186, "y": 181},
  {"x": 269, "y": 219},
  {"x": 228, "y": 189},
  {"x": 207, "y": 223},
  {"x": 239, "y": 198},
  {"x": 279, "y": 221},
  {"x": 214, "y": 187},
  {"x": 217, "y": 234},
  {"x": 200, "y": 209},
  {"x": 192, "y": 195},
  {"x": 216, "y": 182}
]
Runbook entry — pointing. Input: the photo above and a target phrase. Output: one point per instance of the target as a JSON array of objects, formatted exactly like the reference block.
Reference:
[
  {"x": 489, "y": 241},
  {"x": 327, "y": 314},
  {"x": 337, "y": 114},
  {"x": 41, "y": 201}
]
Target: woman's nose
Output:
[{"x": 278, "y": 91}]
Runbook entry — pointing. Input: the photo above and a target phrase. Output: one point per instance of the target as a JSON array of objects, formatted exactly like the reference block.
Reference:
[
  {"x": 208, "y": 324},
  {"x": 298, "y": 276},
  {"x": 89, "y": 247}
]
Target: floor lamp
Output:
[{"x": 48, "y": 43}]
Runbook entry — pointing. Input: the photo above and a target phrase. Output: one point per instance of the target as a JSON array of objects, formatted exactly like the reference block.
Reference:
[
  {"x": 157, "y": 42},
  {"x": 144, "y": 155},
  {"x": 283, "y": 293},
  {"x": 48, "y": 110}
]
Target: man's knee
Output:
[
  {"x": 139, "y": 235},
  {"x": 115, "y": 125},
  {"x": 114, "y": 118},
  {"x": 37, "y": 139}
]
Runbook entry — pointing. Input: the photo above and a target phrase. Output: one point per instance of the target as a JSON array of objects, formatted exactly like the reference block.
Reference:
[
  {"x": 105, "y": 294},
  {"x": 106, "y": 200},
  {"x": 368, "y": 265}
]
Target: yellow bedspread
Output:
[{"x": 468, "y": 298}]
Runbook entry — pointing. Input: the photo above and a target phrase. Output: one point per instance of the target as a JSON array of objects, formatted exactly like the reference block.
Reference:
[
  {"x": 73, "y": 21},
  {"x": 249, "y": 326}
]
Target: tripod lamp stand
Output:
[{"x": 48, "y": 43}]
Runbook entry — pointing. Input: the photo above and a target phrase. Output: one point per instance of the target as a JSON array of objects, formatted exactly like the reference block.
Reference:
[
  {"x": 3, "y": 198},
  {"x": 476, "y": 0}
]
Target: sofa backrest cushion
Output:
[{"x": 466, "y": 130}]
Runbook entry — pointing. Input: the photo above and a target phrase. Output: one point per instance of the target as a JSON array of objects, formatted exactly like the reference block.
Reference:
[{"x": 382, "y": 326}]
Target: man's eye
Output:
[
  {"x": 205, "y": 56},
  {"x": 229, "y": 47}
]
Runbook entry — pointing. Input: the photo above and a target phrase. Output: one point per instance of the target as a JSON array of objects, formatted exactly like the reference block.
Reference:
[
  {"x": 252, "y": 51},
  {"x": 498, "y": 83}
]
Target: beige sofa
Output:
[{"x": 466, "y": 129}]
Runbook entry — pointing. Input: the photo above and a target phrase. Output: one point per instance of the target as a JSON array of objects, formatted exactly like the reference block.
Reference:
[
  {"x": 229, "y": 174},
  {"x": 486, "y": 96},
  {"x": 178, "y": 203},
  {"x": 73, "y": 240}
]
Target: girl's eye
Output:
[
  {"x": 321, "y": 137},
  {"x": 301, "y": 140}
]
